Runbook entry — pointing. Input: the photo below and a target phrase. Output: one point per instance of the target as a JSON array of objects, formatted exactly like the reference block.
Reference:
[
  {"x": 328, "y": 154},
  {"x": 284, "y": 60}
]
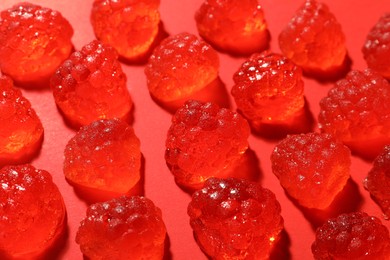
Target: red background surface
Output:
[{"x": 151, "y": 123}]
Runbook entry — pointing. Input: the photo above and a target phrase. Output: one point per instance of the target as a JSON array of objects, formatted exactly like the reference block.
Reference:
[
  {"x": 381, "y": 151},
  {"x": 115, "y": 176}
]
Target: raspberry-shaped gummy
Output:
[
  {"x": 32, "y": 212},
  {"x": 356, "y": 110},
  {"x": 233, "y": 26},
  {"x": 34, "y": 41},
  {"x": 268, "y": 88},
  {"x": 376, "y": 49},
  {"x": 180, "y": 66},
  {"x": 129, "y": 26},
  {"x": 313, "y": 168},
  {"x": 354, "y": 235},
  {"x": 104, "y": 156},
  {"x": 91, "y": 85},
  {"x": 235, "y": 219},
  {"x": 378, "y": 180},
  {"x": 21, "y": 130},
  {"x": 313, "y": 39},
  {"x": 122, "y": 228},
  {"x": 203, "y": 141}
]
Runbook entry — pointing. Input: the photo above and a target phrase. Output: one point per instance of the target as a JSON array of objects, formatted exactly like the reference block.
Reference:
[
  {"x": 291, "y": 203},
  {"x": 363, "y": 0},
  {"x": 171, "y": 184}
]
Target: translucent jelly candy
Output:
[
  {"x": 32, "y": 212},
  {"x": 91, "y": 85},
  {"x": 21, "y": 131},
  {"x": 123, "y": 228},
  {"x": 356, "y": 111},
  {"x": 313, "y": 168},
  {"x": 105, "y": 156},
  {"x": 235, "y": 219},
  {"x": 378, "y": 180},
  {"x": 233, "y": 26},
  {"x": 268, "y": 88},
  {"x": 127, "y": 25},
  {"x": 354, "y": 235},
  {"x": 180, "y": 66},
  {"x": 34, "y": 41},
  {"x": 313, "y": 39},
  {"x": 376, "y": 49},
  {"x": 203, "y": 141}
]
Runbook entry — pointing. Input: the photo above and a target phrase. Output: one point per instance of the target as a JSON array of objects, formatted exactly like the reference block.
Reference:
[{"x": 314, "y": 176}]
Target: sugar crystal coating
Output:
[
  {"x": 180, "y": 66},
  {"x": 233, "y": 26},
  {"x": 32, "y": 212},
  {"x": 91, "y": 85},
  {"x": 313, "y": 168},
  {"x": 105, "y": 156},
  {"x": 313, "y": 39},
  {"x": 123, "y": 228},
  {"x": 34, "y": 41},
  {"x": 353, "y": 235},
  {"x": 203, "y": 141},
  {"x": 356, "y": 111},
  {"x": 235, "y": 219},
  {"x": 127, "y": 25}
]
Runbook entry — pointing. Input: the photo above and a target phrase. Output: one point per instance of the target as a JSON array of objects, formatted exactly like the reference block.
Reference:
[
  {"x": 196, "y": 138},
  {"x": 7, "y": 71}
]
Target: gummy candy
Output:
[
  {"x": 180, "y": 66},
  {"x": 235, "y": 219},
  {"x": 32, "y": 212},
  {"x": 91, "y": 85},
  {"x": 313, "y": 168},
  {"x": 127, "y": 25},
  {"x": 122, "y": 228},
  {"x": 237, "y": 27},
  {"x": 34, "y": 41},
  {"x": 104, "y": 156},
  {"x": 203, "y": 141},
  {"x": 353, "y": 235}
]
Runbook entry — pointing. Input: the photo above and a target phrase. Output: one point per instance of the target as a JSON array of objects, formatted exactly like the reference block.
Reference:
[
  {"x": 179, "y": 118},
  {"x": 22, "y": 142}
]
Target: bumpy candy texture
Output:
[
  {"x": 235, "y": 219},
  {"x": 32, "y": 212},
  {"x": 356, "y": 111},
  {"x": 354, "y": 235},
  {"x": 268, "y": 88},
  {"x": 123, "y": 228},
  {"x": 127, "y": 25},
  {"x": 203, "y": 141},
  {"x": 376, "y": 49},
  {"x": 313, "y": 39},
  {"x": 233, "y": 26},
  {"x": 378, "y": 180},
  {"x": 105, "y": 156},
  {"x": 313, "y": 168},
  {"x": 91, "y": 85},
  {"x": 21, "y": 130},
  {"x": 34, "y": 41},
  {"x": 180, "y": 66}
]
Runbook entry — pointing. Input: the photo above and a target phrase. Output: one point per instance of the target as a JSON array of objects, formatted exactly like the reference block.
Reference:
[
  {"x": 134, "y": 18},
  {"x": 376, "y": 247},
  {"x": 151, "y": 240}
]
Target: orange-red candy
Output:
[
  {"x": 127, "y": 25},
  {"x": 34, "y": 41},
  {"x": 32, "y": 212}
]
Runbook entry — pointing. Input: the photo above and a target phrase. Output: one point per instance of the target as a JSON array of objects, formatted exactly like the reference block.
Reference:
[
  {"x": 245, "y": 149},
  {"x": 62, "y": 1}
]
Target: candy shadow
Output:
[
  {"x": 281, "y": 248},
  {"x": 167, "y": 248}
]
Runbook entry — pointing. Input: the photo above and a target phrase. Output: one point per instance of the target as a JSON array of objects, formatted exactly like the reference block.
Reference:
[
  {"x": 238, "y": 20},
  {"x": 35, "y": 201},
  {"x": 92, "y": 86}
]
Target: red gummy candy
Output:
[
  {"x": 235, "y": 219},
  {"x": 91, "y": 85},
  {"x": 21, "y": 130},
  {"x": 313, "y": 168},
  {"x": 127, "y": 25},
  {"x": 356, "y": 111},
  {"x": 122, "y": 228},
  {"x": 376, "y": 49},
  {"x": 32, "y": 212},
  {"x": 180, "y": 66},
  {"x": 233, "y": 26},
  {"x": 354, "y": 235},
  {"x": 104, "y": 156},
  {"x": 34, "y": 41},
  {"x": 313, "y": 39},
  {"x": 204, "y": 141}
]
